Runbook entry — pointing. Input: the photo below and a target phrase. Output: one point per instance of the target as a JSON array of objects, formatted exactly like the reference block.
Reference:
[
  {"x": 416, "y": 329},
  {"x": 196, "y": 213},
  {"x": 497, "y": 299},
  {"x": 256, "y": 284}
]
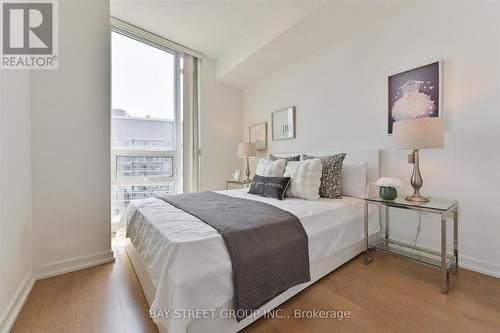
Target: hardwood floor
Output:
[
  {"x": 106, "y": 298},
  {"x": 389, "y": 295}
]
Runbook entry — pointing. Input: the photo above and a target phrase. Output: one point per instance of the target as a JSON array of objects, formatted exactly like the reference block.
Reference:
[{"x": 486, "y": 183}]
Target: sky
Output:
[{"x": 142, "y": 78}]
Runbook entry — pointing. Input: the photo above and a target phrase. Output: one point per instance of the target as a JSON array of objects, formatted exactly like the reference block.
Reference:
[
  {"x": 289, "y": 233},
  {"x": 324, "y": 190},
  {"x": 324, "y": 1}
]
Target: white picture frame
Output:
[
  {"x": 283, "y": 124},
  {"x": 257, "y": 133},
  {"x": 236, "y": 175}
]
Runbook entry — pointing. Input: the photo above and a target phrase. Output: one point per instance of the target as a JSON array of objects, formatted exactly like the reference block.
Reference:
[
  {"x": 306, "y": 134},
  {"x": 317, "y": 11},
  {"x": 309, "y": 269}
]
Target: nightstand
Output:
[
  {"x": 439, "y": 259},
  {"x": 239, "y": 183}
]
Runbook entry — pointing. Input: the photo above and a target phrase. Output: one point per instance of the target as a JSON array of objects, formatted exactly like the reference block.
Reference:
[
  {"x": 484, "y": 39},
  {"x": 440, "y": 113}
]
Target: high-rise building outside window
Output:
[{"x": 146, "y": 122}]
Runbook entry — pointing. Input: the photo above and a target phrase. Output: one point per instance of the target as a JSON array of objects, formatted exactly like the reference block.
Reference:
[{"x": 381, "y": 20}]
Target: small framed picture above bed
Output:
[
  {"x": 283, "y": 124},
  {"x": 257, "y": 134},
  {"x": 414, "y": 93}
]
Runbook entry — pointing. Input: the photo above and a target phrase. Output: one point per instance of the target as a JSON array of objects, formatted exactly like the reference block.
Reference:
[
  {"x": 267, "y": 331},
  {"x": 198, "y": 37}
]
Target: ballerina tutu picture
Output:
[
  {"x": 414, "y": 94},
  {"x": 413, "y": 104}
]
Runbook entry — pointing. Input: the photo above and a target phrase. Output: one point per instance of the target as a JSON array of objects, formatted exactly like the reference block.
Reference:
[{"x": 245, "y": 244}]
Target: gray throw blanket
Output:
[{"x": 268, "y": 246}]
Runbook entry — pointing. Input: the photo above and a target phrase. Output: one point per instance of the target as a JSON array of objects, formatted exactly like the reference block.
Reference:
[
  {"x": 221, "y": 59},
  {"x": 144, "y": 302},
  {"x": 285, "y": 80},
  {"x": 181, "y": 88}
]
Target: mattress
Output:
[{"x": 187, "y": 259}]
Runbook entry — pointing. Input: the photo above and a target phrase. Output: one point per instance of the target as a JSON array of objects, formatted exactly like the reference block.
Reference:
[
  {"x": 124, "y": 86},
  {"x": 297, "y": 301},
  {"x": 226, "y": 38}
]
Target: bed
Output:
[{"x": 185, "y": 270}]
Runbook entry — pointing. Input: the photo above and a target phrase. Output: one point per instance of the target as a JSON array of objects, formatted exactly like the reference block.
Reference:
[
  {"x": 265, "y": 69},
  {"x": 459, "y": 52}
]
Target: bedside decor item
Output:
[
  {"x": 271, "y": 187},
  {"x": 246, "y": 150},
  {"x": 415, "y": 93},
  {"x": 387, "y": 193},
  {"x": 283, "y": 124},
  {"x": 257, "y": 134},
  {"x": 388, "y": 187},
  {"x": 236, "y": 175},
  {"x": 417, "y": 134}
]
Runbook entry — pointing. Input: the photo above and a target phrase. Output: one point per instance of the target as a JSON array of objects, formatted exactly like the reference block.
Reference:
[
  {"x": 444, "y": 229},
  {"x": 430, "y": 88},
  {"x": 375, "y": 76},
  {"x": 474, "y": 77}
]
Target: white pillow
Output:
[
  {"x": 355, "y": 179},
  {"x": 306, "y": 178},
  {"x": 266, "y": 168}
]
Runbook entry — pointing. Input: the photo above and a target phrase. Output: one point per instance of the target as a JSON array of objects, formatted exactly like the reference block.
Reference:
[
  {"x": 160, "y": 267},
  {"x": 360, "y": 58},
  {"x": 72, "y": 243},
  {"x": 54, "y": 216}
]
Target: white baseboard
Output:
[
  {"x": 74, "y": 264},
  {"x": 480, "y": 266},
  {"x": 8, "y": 318},
  {"x": 473, "y": 264}
]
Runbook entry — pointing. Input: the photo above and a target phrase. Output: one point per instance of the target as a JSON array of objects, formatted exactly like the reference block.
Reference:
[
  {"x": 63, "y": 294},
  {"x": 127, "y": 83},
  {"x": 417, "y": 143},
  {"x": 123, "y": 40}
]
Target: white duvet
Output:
[{"x": 188, "y": 261}]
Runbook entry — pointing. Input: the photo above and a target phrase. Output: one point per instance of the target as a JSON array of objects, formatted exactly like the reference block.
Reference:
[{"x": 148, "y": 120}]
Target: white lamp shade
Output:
[
  {"x": 418, "y": 133},
  {"x": 246, "y": 149}
]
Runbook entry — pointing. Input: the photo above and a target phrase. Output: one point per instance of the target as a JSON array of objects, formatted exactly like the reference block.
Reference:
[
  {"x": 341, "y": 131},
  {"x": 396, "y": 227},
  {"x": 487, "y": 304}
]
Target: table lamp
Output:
[
  {"x": 416, "y": 134},
  {"x": 246, "y": 150}
]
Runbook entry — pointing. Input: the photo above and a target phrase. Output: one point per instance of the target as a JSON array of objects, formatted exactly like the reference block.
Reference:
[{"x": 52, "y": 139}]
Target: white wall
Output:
[
  {"x": 340, "y": 94},
  {"x": 15, "y": 192},
  {"x": 55, "y": 155},
  {"x": 70, "y": 143},
  {"x": 71, "y": 157},
  {"x": 221, "y": 117}
]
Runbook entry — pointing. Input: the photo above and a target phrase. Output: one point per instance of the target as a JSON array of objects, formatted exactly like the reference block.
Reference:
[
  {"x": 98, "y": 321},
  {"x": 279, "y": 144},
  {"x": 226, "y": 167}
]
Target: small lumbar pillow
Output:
[
  {"x": 306, "y": 179},
  {"x": 271, "y": 187},
  {"x": 355, "y": 179},
  {"x": 331, "y": 186},
  {"x": 287, "y": 158},
  {"x": 266, "y": 168}
]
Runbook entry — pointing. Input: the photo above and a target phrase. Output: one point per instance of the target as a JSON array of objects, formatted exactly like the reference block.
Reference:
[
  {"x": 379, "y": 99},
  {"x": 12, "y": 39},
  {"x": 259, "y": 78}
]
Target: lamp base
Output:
[
  {"x": 247, "y": 173},
  {"x": 416, "y": 198},
  {"x": 416, "y": 181}
]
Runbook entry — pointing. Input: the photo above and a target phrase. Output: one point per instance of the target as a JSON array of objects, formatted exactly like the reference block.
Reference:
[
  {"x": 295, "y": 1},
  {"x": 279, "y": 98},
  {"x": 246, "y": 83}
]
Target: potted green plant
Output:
[{"x": 388, "y": 187}]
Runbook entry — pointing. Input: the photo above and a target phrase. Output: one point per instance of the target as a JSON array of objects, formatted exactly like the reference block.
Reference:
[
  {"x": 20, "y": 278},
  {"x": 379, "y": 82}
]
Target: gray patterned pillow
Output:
[
  {"x": 331, "y": 186},
  {"x": 288, "y": 158}
]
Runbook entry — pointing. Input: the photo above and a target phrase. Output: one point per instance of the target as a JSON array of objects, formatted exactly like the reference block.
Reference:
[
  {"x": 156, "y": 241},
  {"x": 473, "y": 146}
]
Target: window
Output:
[
  {"x": 144, "y": 166},
  {"x": 146, "y": 121}
]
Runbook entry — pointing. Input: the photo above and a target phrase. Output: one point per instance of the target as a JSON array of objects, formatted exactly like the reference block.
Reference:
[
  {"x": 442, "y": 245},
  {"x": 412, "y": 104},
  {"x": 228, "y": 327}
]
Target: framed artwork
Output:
[
  {"x": 258, "y": 135},
  {"x": 415, "y": 93},
  {"x": 283, "y": 124},
  {"x": 236, "y": 175}
]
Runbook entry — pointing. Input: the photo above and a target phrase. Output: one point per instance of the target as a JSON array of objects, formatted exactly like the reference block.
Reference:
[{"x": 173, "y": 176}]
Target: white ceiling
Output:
[
  {"x": 207, "y": 26},
  {"x": 249, "y": 38}
]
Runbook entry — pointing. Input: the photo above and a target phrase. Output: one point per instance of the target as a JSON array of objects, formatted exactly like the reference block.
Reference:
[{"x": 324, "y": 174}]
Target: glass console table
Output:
[
  {"x": 439, "y": 259},
  {"x": 240, "y": 183}
]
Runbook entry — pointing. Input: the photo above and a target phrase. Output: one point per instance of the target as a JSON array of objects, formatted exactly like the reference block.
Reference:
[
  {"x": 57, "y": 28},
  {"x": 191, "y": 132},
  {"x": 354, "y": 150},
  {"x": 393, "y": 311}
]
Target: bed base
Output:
[{"x": 219, "y": 325}]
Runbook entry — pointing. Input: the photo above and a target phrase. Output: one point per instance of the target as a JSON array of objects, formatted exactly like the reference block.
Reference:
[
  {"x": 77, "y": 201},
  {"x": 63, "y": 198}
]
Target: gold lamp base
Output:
[
  {"x": 416, "y": 180},
  {"x": 416, "y": 198}
]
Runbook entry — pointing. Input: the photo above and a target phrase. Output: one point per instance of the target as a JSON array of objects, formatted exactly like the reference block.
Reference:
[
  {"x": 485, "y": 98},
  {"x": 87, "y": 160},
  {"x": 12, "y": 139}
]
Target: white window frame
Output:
[
  {"x": 133, "y": 31},
  {"x": 177, "y": 154}
]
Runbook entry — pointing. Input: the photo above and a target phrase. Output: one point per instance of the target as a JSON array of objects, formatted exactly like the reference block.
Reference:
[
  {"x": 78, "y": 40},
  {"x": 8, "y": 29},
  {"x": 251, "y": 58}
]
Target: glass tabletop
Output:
[
  {"x": 434, "y": 203},
  {"x": 239, "y": 182}
]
